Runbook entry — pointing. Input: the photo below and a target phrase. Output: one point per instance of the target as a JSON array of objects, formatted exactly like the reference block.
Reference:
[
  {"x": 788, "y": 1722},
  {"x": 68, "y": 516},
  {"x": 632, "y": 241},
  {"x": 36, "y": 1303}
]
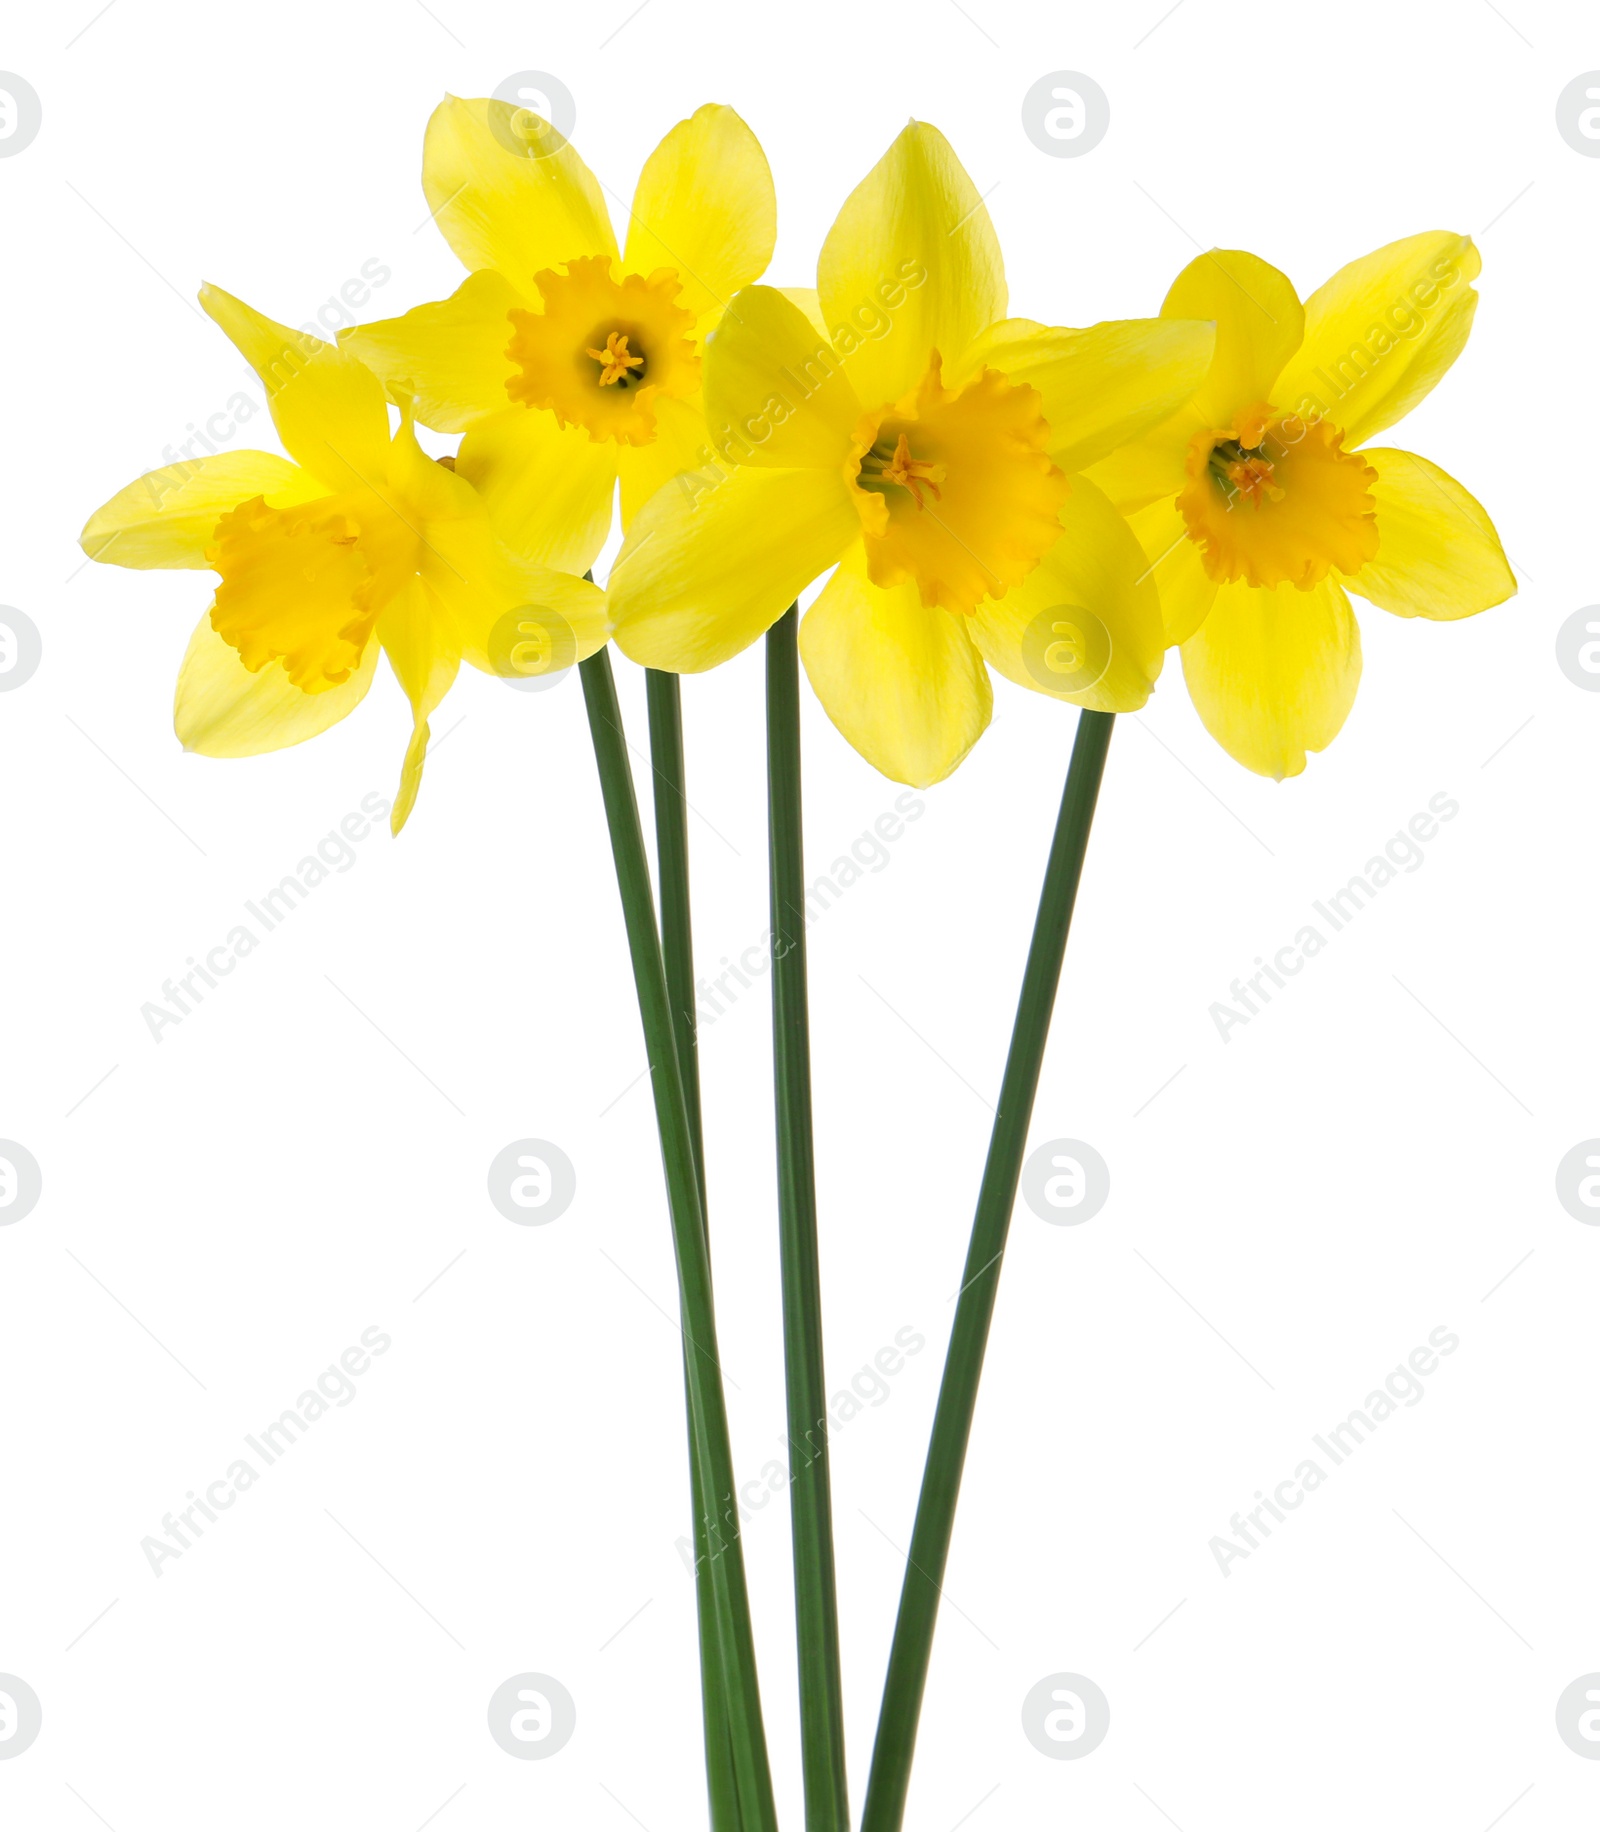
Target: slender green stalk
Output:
[
  {"x": 709, "y": 1420},
  {"x": 672, "y": 860},
  {"x": 958, "y": 1391},
  {"x": 810, "y": 1501},
  {"x": 677, "y": 949}
]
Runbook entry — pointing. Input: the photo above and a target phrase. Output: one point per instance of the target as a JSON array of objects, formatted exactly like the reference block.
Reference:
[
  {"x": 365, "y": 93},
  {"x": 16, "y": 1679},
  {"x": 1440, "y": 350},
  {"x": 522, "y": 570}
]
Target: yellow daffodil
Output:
[
  {"x": 1257, "y": 508},
  {"x": 355, "y": 542},
  {"x": 567, "y": 368},
  {"x": 895, "y": 422}
]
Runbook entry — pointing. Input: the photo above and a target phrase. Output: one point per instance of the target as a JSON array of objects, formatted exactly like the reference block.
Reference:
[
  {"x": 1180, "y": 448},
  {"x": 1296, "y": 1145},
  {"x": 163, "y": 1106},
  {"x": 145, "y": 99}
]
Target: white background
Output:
[{"x": 1368, "y": 1159}]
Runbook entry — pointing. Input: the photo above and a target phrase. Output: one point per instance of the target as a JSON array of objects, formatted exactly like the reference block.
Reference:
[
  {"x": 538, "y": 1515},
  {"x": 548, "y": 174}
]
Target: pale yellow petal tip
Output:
[
  {"x": 94, "y": 545},
  {"x": 921, "y": 781},
  {"x": 215, "y": 299},
  {"x": 410, "y": 779},
  {"x": 1283, "y": 769}
]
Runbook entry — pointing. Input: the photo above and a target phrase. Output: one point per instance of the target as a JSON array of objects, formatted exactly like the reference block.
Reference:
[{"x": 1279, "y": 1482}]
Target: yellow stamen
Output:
[
  {"x": 914, "y": 474},
  {"x": 1251, "y": 476},
  {"x": 614, "y": 360}
]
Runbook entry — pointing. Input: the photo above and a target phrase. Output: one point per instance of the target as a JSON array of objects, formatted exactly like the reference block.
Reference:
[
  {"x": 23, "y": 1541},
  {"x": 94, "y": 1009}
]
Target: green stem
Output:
[
  {"x": 677, "y": 949},
  {"x": 711, "y": 1448},
  {"x": 672, "y": 859},
  {"x": 810, "y": 1502},
  {"x": 958, "y": 1391}
]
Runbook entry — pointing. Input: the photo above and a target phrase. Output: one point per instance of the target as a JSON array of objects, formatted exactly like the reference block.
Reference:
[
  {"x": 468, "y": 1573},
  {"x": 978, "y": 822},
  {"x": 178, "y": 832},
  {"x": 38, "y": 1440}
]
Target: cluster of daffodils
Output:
[{"x": 983, "y": 492}]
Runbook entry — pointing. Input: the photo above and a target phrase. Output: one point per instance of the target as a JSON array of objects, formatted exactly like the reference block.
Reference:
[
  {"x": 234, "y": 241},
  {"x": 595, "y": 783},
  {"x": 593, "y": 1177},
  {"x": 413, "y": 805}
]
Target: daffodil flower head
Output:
[
  {"x": 1260, "y": 503},
  {"x": 569, "y": 367},
  {"x": 896, "y": 427},
  {"x": 356, "y": 542}
]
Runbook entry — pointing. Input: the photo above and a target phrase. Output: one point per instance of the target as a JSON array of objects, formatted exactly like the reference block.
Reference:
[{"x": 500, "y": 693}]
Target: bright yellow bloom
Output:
[
  {"x": 566, "y": 367},
  {"x": 896, "y": 423},
  {"x": 1257, "y": 508},
  {"x": 355, "y": 542}
]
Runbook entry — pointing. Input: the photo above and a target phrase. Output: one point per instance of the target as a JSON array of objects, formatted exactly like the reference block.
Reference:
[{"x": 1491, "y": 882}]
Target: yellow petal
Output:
[
  {"x": 506, "y": 209},
  {"x": 329, "y": 408},
  {"x": 169, "y": 518},
  {"x": 680, "y": 444},
  {"x": 1259, "y": 321},
  {"x": 418, "y": 637},
  {"x": 548, "y": 487},
  {"x": 708, "y": 566},
  {"x": 579, "y": 604},
  {"x": 449, "y": 358},
  {"x": 1085, "y": 625},
  {"x": 477, "y": 586},
  {"x": 1184, "y": 586},
  {"x": 1382, "y": 331},
  {"x": 902, "y": 681},
  {"x": 776, "y": 393},
  {"x": 911, "y": 265},
  {"x": 705, "y": 207},
  {"x": 485, "y": 595},
  {"x": 1273, "y": 672},
  {"x": 1438, "y": 553},
  {"x": 807, "y": 300},
  {"x": 1103, "y": 386},
  {"x": 1149, "y": 469},
  {"x": 221, "y": 709}
]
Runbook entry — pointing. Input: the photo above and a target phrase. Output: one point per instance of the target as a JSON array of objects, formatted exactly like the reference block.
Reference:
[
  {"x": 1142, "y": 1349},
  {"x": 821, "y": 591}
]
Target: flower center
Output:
[
  {"x": 955, "y": 488},
  {"x": 603, "y": 349},
  {"x": 899, "y": 467},
  {"x": 1276, "y": 500},
  {"x": 1244, "y": 472},
  {"x": 615, "y": 362},
  {"x": 304, "y": 585}
]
